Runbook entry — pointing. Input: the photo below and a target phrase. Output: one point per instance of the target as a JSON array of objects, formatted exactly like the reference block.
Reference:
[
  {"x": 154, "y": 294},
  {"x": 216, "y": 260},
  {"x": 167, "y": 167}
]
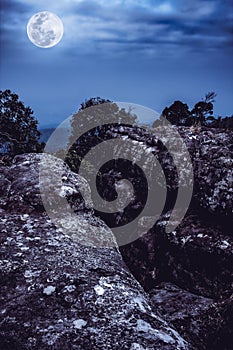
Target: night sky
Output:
[{"x": 147, "y": 52}]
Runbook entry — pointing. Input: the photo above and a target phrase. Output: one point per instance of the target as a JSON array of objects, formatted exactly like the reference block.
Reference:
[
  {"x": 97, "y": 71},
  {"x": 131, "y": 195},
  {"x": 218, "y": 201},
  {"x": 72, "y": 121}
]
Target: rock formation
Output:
[
  {"x": 73, "y": 291},
  {"x": 57, "y": 293},
  {"x": 206, "y": 323},
  {"x": 198, "y": 255}
]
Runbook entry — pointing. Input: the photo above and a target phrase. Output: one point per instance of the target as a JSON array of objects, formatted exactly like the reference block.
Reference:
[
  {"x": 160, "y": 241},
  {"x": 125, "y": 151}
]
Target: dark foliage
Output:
[
  {"x": 18, "y": 126},
  {"x": 201, "y": 114},
  {"x": 178, "y": 114}
]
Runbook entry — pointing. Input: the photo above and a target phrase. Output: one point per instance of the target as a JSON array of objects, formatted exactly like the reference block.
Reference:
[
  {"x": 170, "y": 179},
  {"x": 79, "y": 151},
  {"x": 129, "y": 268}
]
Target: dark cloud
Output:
[
  {"x": 200, "y": 24},
  {"x": 190, "y": 24},
  {"x": 11, "y": 8},
  {"x": 6, "y": 6},
  {"x": 12, "y": 14},
  {"x": 144, "y": 54},
  {"x": 203, "y": 23}
]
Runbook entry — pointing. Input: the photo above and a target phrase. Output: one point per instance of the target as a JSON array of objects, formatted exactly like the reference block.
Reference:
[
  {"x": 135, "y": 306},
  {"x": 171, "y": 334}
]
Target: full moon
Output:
[{"x": 45, "y": 29}]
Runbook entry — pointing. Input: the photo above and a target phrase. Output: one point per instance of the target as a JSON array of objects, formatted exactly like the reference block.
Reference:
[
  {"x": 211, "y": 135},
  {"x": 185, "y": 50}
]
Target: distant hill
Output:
[
  {"x": 62, "y": 136},
  {"x": 45, "y": 134}
]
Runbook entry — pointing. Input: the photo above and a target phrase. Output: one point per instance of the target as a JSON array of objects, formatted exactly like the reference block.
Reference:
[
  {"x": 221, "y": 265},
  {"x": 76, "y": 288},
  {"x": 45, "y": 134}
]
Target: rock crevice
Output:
[{"x": 57, "y": 293}]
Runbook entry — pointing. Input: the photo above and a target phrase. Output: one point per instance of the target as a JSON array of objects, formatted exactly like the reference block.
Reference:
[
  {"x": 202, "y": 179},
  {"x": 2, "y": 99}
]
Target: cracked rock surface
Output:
[
  {"x": 205, "y": 322},
  {"x": 197, "y": 256},
  {"x": 58, "y": 292}
]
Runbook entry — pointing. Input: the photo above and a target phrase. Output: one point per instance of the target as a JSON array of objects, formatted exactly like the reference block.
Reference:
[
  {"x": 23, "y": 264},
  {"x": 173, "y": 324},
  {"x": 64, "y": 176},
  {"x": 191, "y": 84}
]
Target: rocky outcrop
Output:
[
  {"x": 212, "y": 156},
  {"x": 183, "y": 309},
  {"x": 69, "y": 291},
  {"x": 57, "y": 293},
  {"x": 20, "y": 190},
  {"x": 198, "y": 255},
  {"x": 211, "y": 151},
  {"x": 205, "y": 323}
]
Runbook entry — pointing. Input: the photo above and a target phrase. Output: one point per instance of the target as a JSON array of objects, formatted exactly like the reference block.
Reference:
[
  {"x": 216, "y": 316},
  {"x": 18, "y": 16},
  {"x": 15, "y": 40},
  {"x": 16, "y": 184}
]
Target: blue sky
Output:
[{"x": 147, "y": 52}]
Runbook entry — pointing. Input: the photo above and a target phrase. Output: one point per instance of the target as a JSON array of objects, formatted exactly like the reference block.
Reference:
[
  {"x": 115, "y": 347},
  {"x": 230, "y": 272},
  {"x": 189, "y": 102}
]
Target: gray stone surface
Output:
[
  {"x": 212, "y": 155},
  {"x": 62, "y": 292},
  {"x": 211, "y": 152},
  {"x": 197, "y": 255},
  {"x": 207, "y": 324},
  {"x": 58, "y": 294},
  {"x": 182, "y": 309}
]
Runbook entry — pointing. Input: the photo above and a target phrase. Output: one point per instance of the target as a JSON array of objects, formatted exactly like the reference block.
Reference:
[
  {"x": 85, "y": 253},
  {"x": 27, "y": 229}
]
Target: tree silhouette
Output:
[
  {"x": 178, "y": 114},
  {"x": 18, "y": 127},
  {"x": 203, "y": 111},
  {"x": 210, "y": 97}
]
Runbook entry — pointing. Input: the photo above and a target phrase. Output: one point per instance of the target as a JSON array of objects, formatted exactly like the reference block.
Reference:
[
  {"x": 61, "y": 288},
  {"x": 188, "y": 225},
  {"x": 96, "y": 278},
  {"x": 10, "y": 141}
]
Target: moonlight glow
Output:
[{"x": 45, "y": 29}]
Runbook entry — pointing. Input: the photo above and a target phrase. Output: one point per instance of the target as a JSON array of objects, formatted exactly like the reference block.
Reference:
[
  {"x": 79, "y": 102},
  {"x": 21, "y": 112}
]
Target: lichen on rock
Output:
[{"x": 52, "y": 286}]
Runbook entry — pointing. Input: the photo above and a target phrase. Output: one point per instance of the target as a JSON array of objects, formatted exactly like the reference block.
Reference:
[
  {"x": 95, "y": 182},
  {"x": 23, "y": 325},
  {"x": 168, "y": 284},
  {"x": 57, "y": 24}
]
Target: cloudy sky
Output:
[{"x": 148, "y": 52}]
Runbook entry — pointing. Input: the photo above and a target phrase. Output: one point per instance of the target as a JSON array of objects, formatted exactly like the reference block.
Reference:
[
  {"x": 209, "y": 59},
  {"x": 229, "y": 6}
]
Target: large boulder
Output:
[
  {"x": 67, "y": 291},
  {"x": 20, "y": 184}
]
